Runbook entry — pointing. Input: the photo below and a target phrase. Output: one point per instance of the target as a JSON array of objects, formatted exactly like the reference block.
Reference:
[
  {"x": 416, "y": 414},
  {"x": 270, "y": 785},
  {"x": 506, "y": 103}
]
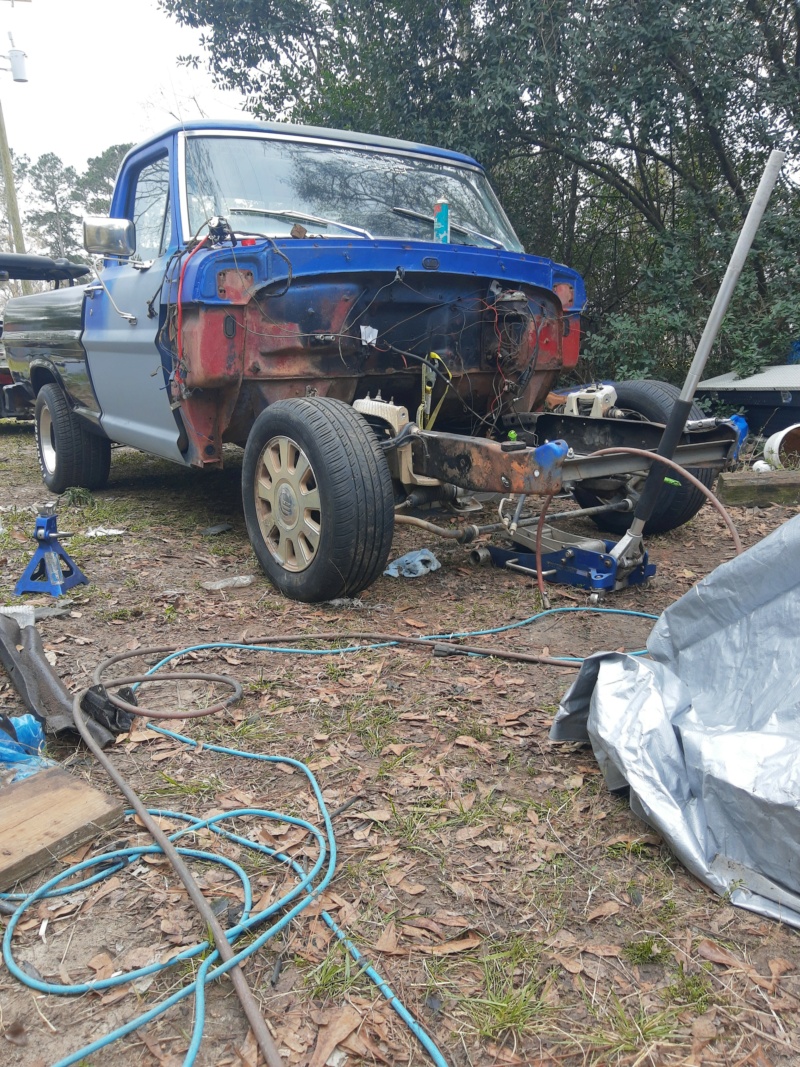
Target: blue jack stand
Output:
[{"x": 51, "y": 569}]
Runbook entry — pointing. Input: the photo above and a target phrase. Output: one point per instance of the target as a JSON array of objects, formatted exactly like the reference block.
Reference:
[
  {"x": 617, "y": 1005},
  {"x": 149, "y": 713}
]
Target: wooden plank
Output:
[
  {"x": 759, "y": 488},
  {"x": 45, "y": 816}
]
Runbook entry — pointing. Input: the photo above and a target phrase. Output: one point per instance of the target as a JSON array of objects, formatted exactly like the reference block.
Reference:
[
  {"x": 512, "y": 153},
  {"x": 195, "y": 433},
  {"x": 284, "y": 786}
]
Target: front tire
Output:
[
  {"x": 318, "y": 499},
  {"x": 68, "y": 454},
  {"x": 676, "y": 504}
]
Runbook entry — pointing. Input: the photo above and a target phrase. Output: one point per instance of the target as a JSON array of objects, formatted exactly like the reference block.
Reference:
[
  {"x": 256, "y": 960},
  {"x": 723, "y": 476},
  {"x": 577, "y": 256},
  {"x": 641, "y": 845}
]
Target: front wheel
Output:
[
  {"x": 318, "y": 499},
  {"x": 679, "y": 500}
]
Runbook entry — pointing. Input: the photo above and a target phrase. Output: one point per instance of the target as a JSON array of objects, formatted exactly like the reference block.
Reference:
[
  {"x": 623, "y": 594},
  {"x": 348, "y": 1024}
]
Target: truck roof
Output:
[{"x": 316, "y": 132}]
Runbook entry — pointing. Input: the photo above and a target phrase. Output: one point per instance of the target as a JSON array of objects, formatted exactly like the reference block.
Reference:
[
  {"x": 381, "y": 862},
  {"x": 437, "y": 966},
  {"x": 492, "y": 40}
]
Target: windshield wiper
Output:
[
  {"x": 281, "y": 214},
  {"x": 411, "y": 214}
]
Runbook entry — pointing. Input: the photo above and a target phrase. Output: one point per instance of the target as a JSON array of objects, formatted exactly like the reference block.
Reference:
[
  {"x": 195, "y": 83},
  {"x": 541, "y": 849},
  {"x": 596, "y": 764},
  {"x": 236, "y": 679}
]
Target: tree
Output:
[
  {"x": 54, "y": 217},
  {"x": 96, "y": 184},
  {"x": 625, "y": 136}
]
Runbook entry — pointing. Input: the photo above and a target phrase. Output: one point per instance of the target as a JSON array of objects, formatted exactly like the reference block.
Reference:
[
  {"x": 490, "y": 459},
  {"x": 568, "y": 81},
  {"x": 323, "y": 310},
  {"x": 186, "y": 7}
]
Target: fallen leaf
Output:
[
  {"x": 377, "y": 814},
  {"x": 496, "y": 844},
  {"x": 332, "y": 1033},
  {"x": 449, "y": 948},
  {"x": 710, "y": 950},
  {"x": 601, "y": 950},
  {"x": 363, "y": 1046},
  {"x": 413, "y": 888},
  {"x": 248, "y": 1050},
  {"x": 704, "y": 1028},
  {"x": 611, "y": 907},
  {"x": 387, "y": 942},
  {"x": 779, "y": 967},
  {"x": 16, "y": 1034},
  {"x": 77, "y": 856},
  {"x": 469, "y": 742},
  {"x": 633, "y": 839},
  {"x": 102, "y": 965},
  {"x": 759, "y": 1058},
  {"x": 569, "y": 963},
  {"x": 104, "y": 890},
  {"x": 425, "y": 924},
  {"x": 115, "y": 994},
  {"x": 503, "y": 1055},
  {"x": 468, "y": 833}
]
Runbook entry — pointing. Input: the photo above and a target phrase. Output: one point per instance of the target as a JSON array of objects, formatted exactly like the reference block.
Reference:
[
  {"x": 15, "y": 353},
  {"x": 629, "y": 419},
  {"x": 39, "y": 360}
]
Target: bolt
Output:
[{"x": 505, "y": 482}]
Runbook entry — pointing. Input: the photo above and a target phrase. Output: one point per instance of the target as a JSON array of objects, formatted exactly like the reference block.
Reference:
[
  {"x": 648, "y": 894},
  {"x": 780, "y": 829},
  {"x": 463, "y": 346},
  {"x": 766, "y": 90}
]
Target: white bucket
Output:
[{"x": 783, "y": 446}]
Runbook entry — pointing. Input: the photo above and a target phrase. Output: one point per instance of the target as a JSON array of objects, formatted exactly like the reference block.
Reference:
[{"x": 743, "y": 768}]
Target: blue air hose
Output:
[{"x": 308, "y": 888}]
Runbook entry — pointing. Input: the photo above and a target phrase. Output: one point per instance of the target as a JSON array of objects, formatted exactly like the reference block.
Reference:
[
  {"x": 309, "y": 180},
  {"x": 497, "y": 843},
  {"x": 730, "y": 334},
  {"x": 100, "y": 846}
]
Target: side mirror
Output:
[{"x": 109, "y": 237}]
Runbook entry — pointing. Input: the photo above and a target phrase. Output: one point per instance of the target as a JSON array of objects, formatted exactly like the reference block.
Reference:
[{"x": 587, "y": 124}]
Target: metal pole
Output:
[
  {"x": 11, "y": 198},
  {"x": 630, "y": 545},
  {"x": 11, "y": 192},
  {"x": 751, "y": 224}
]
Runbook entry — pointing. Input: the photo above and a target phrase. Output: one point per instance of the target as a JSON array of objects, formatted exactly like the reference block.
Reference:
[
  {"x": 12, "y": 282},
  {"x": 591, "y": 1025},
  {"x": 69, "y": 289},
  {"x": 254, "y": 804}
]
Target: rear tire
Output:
[
  {"x": 68, "y": 454},
  {"x": 676, "y": 503},
  {"x": 318, "y": 499}
]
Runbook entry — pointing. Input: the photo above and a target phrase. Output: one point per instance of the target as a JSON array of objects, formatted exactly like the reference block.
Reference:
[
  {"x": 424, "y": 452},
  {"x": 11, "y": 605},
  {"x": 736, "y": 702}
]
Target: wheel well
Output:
[{"x": 42, "y": 376}]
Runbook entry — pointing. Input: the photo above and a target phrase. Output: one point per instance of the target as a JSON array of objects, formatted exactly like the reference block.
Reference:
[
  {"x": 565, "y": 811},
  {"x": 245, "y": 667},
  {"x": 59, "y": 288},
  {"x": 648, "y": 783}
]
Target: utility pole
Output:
[
  {"x": 11, "y": 192},
  {"x": 16, "y": 64}
]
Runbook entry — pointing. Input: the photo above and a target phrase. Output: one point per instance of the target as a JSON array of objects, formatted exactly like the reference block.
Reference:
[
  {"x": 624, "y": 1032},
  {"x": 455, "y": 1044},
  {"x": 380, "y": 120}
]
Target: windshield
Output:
[{"x": 266, "y": 186}]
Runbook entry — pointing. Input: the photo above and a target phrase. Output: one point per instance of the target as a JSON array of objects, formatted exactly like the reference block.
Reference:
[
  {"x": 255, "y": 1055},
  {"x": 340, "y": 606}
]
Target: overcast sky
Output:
[{"x": 100, "y": 72}]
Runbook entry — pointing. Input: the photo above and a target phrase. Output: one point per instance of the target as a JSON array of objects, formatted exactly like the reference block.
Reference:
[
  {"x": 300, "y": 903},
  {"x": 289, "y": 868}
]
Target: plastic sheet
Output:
[
  {"x": 707, "y": 731},
  {"x": 413, "y": 564},
  {"x": 21, "y": 740}
]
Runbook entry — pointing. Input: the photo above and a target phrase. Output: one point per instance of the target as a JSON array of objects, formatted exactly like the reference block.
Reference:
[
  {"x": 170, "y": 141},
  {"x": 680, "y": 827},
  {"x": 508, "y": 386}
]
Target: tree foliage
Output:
[
  {"x": 58, "y": 198},
  {"x": 626, "y": 137}
]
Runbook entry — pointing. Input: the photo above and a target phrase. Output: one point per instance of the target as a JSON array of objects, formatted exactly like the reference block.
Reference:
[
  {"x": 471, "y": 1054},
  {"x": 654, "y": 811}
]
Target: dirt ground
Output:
[{"x": 518, "y": 909}]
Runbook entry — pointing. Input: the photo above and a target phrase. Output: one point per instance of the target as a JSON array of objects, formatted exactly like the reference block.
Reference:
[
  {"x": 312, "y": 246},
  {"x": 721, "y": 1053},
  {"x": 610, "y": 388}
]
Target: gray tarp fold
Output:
[{"x": 706, "y": 732}]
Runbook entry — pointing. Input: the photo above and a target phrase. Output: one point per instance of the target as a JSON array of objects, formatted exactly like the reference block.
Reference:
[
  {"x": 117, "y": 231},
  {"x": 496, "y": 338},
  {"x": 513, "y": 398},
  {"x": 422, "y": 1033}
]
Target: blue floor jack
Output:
[
  {"x": 51, "y": 569},
  {"x": 567, "y": 559}
]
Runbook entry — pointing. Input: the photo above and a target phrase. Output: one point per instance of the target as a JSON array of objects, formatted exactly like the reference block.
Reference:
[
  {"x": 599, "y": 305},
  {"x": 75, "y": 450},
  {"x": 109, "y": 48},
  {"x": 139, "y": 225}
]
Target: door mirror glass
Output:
[{"x": 108, "y": 237}]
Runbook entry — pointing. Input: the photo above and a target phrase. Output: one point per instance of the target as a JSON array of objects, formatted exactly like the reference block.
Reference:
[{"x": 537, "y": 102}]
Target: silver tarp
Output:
[{"x": 706, "y": 732}]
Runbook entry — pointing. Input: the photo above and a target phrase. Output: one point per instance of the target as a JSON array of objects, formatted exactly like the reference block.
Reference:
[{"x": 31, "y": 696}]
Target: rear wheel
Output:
[
  {"x": 677, "y": 503},
  {"x": 68, "y": 453},
  {"x": 318, "y": 499}
]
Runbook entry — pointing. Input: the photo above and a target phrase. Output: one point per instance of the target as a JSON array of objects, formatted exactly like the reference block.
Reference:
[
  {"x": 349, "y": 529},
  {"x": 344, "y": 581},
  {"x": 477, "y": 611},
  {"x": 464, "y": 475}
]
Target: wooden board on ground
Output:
[
  {"x": 46, "y": 816},
  {"x": 759, "y": 488}
]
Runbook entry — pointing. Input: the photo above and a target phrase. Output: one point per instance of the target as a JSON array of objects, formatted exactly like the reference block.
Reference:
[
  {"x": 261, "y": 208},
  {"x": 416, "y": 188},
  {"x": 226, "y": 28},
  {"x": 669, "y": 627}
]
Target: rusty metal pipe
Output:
[
  {"x": 250, "y": 1005},
  {"x": 465, "y": 535}
]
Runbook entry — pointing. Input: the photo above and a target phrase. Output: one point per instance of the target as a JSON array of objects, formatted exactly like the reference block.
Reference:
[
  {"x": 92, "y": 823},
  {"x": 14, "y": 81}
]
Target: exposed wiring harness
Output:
[{"x": 218, "y": 955}]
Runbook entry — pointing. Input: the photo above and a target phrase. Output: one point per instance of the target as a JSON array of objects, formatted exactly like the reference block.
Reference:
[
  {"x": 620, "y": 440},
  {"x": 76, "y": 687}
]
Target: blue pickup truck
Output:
[{"x": 357, "y": 314}]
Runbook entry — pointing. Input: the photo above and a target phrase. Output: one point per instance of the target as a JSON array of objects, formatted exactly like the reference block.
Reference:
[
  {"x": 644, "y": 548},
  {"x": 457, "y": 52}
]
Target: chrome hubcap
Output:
[
  {"x": 47, "y": 441},
  {"x": 288, "y": 504}
]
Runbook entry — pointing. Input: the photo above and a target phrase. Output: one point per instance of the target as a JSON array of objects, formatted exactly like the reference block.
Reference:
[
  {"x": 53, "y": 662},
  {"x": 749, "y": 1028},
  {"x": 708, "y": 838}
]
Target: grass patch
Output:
[
  {"x": 646, "y": 950},
  {"x": 622, "y": 1030},
  {"x": 337, "y": 976},
  {"x": 509, "y": 1000},
  {"x": 694, "y": 990},
  {"x": 191, "y": 787}
]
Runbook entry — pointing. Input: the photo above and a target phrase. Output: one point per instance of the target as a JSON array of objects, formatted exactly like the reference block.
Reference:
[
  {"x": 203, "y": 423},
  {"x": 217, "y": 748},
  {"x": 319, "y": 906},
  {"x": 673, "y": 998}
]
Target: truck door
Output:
[{"x": 125, "y": 363}]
